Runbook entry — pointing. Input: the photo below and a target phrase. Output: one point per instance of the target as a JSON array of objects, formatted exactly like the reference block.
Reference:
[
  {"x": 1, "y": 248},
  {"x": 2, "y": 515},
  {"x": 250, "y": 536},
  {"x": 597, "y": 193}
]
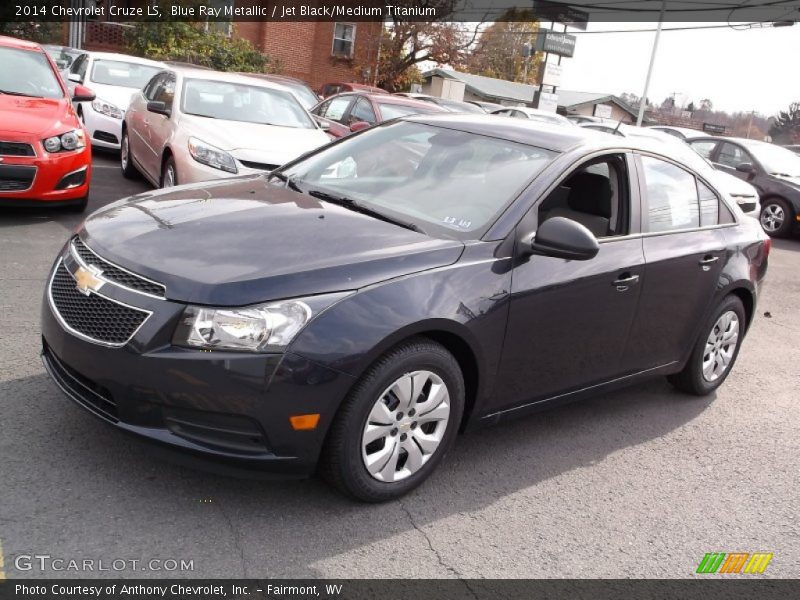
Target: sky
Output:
[{"x": 755, "y": 69}]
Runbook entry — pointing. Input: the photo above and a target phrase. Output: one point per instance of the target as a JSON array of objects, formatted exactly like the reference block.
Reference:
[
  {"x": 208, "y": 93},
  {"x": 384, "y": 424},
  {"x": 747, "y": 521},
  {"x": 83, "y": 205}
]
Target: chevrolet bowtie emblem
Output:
[{"x": 87, "y": 279}]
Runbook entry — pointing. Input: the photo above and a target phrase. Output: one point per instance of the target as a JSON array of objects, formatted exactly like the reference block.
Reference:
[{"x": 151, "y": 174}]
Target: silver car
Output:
[{"x": 189, "y": 125}]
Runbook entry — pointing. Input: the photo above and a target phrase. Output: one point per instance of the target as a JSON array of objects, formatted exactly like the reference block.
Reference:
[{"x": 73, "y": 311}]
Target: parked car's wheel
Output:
[
  {"x": 397, "y": 423},
  {"x": 169, "y": 174},
  {"x": 79, "y": 205},
  {"x": 776, "y": 217},
  {"x": 715, "y": 351},
  {"x": 125, "y": 162}
]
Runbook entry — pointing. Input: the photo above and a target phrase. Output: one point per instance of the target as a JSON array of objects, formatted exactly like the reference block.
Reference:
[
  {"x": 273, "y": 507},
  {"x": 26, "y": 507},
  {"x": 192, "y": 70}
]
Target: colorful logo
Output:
[{"x": 734, "y": 562}]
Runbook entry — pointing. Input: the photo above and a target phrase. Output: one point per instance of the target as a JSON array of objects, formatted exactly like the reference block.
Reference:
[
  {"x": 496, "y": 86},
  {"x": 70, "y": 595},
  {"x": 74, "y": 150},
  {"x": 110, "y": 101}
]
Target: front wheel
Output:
[
  {"x": 125, "y": 162},
  {"x": 715, "y": 351},
  {"x": 397, "y": 424},
  {"x": 776, "y": 217},
  {"x": 169, "y": 174}
]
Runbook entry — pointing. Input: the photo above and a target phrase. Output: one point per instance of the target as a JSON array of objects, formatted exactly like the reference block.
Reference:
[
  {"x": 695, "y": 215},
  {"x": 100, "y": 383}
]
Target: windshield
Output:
[
  {"x": 122, "y": 74},
  {"x": 776, "y": 160},
  {"x": 439, "y": 179},
  {"x": 245, "y": 103},
  {"x": 27, "y": 73},
  {"x": 393, "y": 111}
]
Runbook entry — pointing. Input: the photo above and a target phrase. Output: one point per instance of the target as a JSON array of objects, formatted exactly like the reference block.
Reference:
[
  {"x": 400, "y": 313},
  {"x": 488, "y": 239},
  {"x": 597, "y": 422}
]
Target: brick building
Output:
[{"x": 316, "y": 52}]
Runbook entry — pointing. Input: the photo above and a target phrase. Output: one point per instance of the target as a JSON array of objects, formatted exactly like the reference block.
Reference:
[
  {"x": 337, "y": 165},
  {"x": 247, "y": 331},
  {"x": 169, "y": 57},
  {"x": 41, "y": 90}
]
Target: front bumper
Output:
[
  {"x": 223, "y": 411},
  {"x": 51, "y": 173},
  {"x": 104, "y": 131}
]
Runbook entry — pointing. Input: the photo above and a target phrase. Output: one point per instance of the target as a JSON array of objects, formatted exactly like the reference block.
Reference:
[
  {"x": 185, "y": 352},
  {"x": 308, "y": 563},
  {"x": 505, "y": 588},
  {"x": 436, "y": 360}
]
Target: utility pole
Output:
[
  {"x": 750, "y": 124},
  {"x": 643, "y": 103}
]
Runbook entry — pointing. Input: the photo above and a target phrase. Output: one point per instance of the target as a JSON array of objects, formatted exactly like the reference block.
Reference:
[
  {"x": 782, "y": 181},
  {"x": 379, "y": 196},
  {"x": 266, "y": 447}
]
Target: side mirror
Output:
[
  {"x": 359, "y": 125},
  {"x": 564, "y": 238},
  {"x": 75, "y": 78},
  {"x": 158, "y": 107},
  {"x": 82, "y": 94},
  {"x": 746, "y": 168},
  {"x": 324, "y": 125}
]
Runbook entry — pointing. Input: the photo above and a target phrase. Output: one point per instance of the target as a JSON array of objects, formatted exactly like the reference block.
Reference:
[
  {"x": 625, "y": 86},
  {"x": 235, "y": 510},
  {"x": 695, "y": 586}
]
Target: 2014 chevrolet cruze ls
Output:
[{"x": 356, "y": 308}]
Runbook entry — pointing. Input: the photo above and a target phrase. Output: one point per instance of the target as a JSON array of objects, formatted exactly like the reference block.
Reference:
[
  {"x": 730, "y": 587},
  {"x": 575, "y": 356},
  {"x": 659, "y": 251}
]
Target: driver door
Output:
[{"x": 569, "y": 320}]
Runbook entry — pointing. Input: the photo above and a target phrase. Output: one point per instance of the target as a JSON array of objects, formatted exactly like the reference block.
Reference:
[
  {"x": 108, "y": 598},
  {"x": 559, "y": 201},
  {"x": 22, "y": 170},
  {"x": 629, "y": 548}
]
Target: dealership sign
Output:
[
  {"x": 548, "y": 102},
  {"x": 713, "y": 128},
  {"x": 560, "y": 44},
  {"x": 552, "y": 74}
]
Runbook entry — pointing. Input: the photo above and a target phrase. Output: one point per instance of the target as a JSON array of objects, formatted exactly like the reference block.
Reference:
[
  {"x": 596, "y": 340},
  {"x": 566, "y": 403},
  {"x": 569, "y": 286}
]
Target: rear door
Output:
[{"x": 684, "y": 245}]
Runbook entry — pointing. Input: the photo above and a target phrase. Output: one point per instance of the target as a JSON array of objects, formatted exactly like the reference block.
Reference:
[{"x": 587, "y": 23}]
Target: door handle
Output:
[
  {"x": 625, "y": 281},
  {"x": 707, "y": 261}
]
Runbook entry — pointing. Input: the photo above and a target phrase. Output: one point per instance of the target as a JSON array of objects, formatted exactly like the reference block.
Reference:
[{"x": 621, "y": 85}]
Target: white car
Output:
[
  {"x": 114, "y": 78},
  {"x": 682, "y": 133},
  {"x": 189, "y": 125},
  {"x": 534, "y": 114},
  {"x": 742, "y": 193}
]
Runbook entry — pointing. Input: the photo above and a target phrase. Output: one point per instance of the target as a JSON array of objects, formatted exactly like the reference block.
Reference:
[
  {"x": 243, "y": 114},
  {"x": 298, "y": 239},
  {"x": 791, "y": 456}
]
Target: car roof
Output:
[
  {"x": 125, "y": 58},
  {"x": 559, "y": 138},
  {"x": 385, "y": 98},
  {"x": 11, "y": 42},
  {"x": 226, "y": 77}
]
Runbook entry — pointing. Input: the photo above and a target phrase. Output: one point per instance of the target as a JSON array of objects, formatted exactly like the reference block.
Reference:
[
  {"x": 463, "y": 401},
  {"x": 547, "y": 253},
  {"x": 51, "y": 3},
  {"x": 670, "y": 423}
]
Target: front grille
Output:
[
  {"x": 81, "y": 389},
  {"x": 116, "y": 274},
  {"x": 93, "y": 316},
  {"x": 257, "y": 165},
  {"x": 14, "y": 178},
  {"x": 104, "y": 136},
  {"x": 16, "y": 149}
]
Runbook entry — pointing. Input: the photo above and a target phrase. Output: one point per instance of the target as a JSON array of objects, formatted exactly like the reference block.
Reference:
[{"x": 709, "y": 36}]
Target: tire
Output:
[
  {"x": 166, "y": 181},
  {"x": 711, "y": 343},
  {"x": 79, "y": 205},
  {"x": 776, "y": 217},
  {"x": 346, "y": 452},
  {"x": 125, "y": 162}
]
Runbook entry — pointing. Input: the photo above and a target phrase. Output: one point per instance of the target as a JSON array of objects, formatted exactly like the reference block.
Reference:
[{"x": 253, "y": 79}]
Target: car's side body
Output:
[{"x": 527, "y": 330}]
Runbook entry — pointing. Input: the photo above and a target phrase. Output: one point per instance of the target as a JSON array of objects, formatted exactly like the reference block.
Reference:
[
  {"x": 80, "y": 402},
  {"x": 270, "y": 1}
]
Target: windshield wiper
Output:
[
  {"x": 365, "y": 210},
  {"x": 12, "y": 93},
  {"x": 287, "y": 179}
]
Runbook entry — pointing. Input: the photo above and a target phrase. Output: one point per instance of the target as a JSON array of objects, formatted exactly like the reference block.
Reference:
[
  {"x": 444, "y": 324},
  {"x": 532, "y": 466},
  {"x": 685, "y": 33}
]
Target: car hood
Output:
[
  {"x": 733, "y": 185},
  {"x": 267, "y": 144},
  {"x": 116, "y": 95},
  {"x": 242, "y": 241},
  {"x": 35, "y": 116}
]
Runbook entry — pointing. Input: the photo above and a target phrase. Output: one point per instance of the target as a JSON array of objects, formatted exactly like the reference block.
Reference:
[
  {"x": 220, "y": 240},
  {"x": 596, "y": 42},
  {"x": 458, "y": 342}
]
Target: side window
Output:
[
  {"x": 150, "y": 88},
  {"x": 320, "y": 110},
  {"x": 165, "y": 92},
  {"x": 362, "y": 111},
  {"x": 732, "y": 155},
  {"x": 337, "y": 107},
  {"x": 518, "y": 114},
  {"x": 79, "y": 66},
  {"x": 704, "y": 148},
  {"x": 709, "y": 205},
  {"x": 596, "y": 195},
  {"x": 671, "y": 196}
]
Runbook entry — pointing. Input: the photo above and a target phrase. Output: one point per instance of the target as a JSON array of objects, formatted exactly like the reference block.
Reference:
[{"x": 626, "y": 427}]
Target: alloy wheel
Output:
[
  {"x": 772, "y": 218},
  {"x": 123, "y": 153},
  {"x": 721, "y": 346},
  {"x": 169, "y": 177},
  {"x": 405, "y": 426}
]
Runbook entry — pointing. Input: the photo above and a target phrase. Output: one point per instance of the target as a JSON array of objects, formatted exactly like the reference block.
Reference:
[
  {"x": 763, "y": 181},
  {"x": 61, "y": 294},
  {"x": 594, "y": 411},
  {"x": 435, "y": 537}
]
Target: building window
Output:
[
  {"x": 344, "y": 35},
  {"x": 223, "y": 27}
]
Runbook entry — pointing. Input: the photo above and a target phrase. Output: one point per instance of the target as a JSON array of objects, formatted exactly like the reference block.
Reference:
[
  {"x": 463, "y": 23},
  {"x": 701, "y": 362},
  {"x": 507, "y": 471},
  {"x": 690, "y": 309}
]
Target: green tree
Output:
[
  {"x": 170, "y": 39},
  {"x": 34, "y": 31},
  {"x": 785, "y": 128},
  {"x": 499, "y": 51}
]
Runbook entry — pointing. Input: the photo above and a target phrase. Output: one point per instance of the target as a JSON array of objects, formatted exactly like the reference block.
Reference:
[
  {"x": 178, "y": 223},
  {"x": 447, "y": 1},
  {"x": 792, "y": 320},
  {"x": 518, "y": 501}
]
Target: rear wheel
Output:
[
  {"x": 125, "y": 163},
  {"x": 776, "y": 217},
  {"x": 715, "y": 351},
  {"x": 397, "y": 424}
]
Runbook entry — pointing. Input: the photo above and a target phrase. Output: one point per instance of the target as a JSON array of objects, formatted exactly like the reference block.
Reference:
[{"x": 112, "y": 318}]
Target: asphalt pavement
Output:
[{"x": 637, "y": 483}]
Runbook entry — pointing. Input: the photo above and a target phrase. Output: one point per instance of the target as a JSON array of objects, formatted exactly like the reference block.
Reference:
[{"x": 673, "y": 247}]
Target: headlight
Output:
[
  {"x": 106, "y": 108},
  {"x": 211, "y": 156},
  {"x": 71, "y": 140},
  {"x": 260, "y": 328}
]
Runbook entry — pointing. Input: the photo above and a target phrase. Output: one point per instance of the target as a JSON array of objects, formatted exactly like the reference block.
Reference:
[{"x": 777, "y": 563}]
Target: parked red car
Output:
[
  {"x": 44, "y": 157},
  {"x": 346, "y": 113},
  {"x": 331, "y": 89}
]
